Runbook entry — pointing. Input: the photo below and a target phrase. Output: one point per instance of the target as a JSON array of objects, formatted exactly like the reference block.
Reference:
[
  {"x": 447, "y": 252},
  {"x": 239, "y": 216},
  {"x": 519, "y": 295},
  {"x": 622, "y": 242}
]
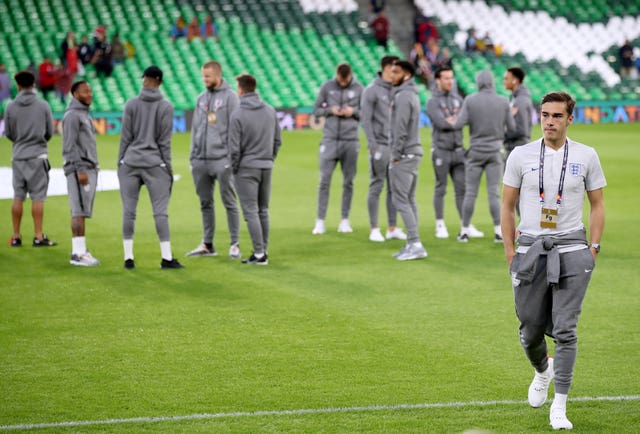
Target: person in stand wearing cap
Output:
[
  {"x": 145, "y": 159},
  {"x": 29, "y": 125}
]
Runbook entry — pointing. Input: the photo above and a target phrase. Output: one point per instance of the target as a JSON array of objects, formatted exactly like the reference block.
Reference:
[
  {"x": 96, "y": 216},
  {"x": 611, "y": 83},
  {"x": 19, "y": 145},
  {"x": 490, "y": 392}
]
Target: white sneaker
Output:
[
  {"x": 540, "y": 386},
  {"x": 414, "y": 251},
  {"x": 344, "y": 226},
  {"x": 441, "y": 231},
  {"x": 396, "y": 234},
  {"x": 376, "y": 236},
  {"x": 474, "y": 233},
  {"x": 558, "y": 418},
  {"x": 85, "y": 260},
  {"x": 319, "y": 228},
  {"x": 234, "y": 252},
  {"x": 202, "y": 250}
]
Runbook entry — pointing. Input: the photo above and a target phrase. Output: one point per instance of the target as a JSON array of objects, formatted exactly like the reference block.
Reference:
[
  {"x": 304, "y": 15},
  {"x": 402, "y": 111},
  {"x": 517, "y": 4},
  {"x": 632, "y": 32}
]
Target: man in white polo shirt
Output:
[{"x": 552, "y": 264}]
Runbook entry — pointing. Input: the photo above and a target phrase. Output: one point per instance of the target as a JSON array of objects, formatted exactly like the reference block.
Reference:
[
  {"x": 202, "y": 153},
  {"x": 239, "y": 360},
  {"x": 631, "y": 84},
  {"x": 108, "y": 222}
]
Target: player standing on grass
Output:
[
  {"x": 80, "y": 167},
  {"x": 254, "y": 140},
  {"x": 375, "y": 109},
  {"x": 29, "y": 125},
  {"x": 145, "y": 159},
  {"x": 553, "y": 262},
  {"x": 520, "y": 98},
  {"x": 209, "y": 158}
]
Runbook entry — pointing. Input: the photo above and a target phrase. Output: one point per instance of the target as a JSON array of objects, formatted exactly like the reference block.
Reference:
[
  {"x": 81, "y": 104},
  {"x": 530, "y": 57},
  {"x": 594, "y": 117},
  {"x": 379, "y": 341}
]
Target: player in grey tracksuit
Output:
[
  {"x": 406, "y": 155},
  {"x": 144, "y": 158},
  {"x": 489, "y": 117},
  {"x": 254, "y": 141},
  {"x": 339, "y": 102},
  {"x": 520, "y": 99},
  {"x": 375, "y": 109},
  {"x": 29, "y": 125},
  {"x": 209, "y": 158}
]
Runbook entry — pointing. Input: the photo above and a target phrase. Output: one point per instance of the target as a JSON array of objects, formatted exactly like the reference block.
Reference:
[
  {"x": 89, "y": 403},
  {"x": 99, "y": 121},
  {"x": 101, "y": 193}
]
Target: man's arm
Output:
[
  {"x": 165, "y": 131},
  {"x": 277, "y": 138},
  {"x": 126, "y": 132},
  {"x": 234, "y": 138},
  {"x": 462, "y": 118},
  {"x": 596, "y": 217},
  {"x": 70, "y": 128},
  {"x": 321, "y": 108},
  {"x": 510, "y": 196},
  {"x": 49, "y": 120},
  {"x": 437, "y": 117},
  {"x": 367, "y": 108}
]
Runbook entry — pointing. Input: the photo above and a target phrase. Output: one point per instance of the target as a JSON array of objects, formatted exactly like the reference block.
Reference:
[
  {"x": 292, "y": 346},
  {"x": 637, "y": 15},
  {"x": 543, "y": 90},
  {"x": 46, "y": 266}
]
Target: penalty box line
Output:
[{"x": 298, "y": 412}]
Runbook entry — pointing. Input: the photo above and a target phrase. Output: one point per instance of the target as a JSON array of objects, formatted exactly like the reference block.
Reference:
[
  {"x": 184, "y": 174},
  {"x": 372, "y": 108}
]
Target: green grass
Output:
[{"x": 333, "y": 321}]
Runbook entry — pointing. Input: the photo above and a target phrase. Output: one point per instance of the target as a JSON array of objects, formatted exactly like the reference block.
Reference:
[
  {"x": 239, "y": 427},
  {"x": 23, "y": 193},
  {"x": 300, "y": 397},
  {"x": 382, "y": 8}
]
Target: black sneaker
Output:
[
  {"x": 462, "y": 238},
  {"x": 129, "y": 264},
  {"x": 170, "y": 264},
  {"x": 498, "y": 239},
  {"x": 256, "y": 261},
  {"x": 15, "y": 242},
  {"x": 44, "y": 242}
]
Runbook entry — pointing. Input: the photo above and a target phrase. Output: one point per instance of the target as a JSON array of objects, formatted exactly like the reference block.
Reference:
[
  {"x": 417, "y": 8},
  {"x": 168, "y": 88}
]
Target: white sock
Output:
[
  {"x": 559, "y": 401},
  {"x": 128, "y": 249},
  {"x": 464, "y": 230},
  {"x": 497, "y": 230},
  {"x": 258, "y": 255},
  {"x": 78, "y": 245},
  {"x": 165, "y": 250},
  {"x": 440, "y": 223}
]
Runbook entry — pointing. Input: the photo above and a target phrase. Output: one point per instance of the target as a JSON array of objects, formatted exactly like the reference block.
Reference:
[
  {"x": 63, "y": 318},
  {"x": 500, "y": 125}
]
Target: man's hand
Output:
[
  {"x": 451, "y": 119},
  {"x": 347, "y": 111},
  {"x": 83, "y": 178},
  {"x": 336, "y": 111},
  {"x": 514, "y": 111}
]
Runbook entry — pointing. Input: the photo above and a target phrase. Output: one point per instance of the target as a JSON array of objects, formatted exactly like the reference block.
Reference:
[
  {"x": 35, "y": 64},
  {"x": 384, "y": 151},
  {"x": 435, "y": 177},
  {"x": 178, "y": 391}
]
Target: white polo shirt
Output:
[{"x": 583, "y": 173}]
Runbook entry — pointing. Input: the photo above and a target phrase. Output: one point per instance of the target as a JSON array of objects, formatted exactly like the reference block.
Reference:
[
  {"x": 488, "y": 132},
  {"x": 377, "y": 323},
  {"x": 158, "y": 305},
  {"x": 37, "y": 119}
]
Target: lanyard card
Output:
[{"x": 549, "y": 218}]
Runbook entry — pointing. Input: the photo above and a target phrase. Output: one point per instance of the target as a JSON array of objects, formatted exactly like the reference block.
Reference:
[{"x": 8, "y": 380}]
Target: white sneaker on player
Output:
[
  {"x": 84, "y": 260},
  {"x": 539, "y": 387},
  {"x": 396, "y": 234},
  {"x": 413, "y": 251},
  {"x": 441, "y": 231},
  {"x": 203, "y": 250},
  {"x": 558, "y": 418},
  {"x": 344, "y": 227},
  {"x": 376, "y": 236},
  {"x": 474, "y": 233},
  {"x": 234, "y": 252},
  {"x": 319, "y": 228}
]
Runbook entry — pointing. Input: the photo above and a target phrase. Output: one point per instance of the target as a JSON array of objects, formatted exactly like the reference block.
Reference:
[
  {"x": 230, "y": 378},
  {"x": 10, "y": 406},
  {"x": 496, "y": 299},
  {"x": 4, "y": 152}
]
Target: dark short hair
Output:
[
  {"x": 76, "y": 85},
  {"x": 388, "y": 60},
  {"x": 406, "y": 66},
  {"x": 343, "y": 70},
  {"x": 442, "y": 69},
  {"x": 247, "y": 82},
  {"x": 560, "y": 97},
  {"x": 25, "y": 78},
  {"x": 517, "y": 73}
]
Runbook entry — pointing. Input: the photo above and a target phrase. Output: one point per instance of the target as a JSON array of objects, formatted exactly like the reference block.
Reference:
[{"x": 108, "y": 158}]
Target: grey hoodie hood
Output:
[
  {"x": 522, "y": 92},
  {"x": 150, "y": 94},
  {"x": 26, "y": 97},
  {"x": 251, "y": 101},
  {"x": 29, "y": 125},
  {"x": 77, "y": 105},
  {"x": 484, "y": 81}
]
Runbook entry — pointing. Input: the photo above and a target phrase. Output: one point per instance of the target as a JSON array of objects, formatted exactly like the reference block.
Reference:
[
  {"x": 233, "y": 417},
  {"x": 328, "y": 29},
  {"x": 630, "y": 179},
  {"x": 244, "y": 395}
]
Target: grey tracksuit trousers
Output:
[
  {"x": 346, "y": 153},
  {"x": 492, "y": 164},
  {"x": 205, "y": 173},
  {"x": 254, "y": 190},
  {"x": 159, "y": 182},
  {"x": 448, "y": 163},
  {"x": 404, "y": 180},
  {"x": 378, "y": 174}
]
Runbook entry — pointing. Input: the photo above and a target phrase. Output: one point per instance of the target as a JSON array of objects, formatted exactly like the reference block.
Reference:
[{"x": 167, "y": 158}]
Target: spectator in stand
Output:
[
  {"x": 209, "y": 28},
  {"x": 5, "y": 84},
  {"x": 31, "y": 67},
  {"x": 625, "y": 55},
  {"x": 444, "y": 59},
  {"x": 64, "y": 79},
  {"x": 102, "y": 52},
  {"x": 179, "y": 29},
  {"x": 421, "y": 64},
  {"x": 85, "y": 52},
  {"x": 117, "y": 49},
  {"x": 193, "y": 29},
  {"x": 377, "y": 6},
  {"x": 71, "y": 59},
  {"x": 129, "y": 49},
  {"x": 472, "y": 41},
  {"x": 380, "y": 27},
  {"x": 69, "y": 42},
  {"x": 47, "y": 73}
]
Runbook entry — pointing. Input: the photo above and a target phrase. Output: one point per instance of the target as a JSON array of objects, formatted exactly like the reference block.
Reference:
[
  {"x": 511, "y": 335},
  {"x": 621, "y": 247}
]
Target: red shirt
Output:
[
  {"x": 47, "y": 73},
  {"x": 380, "y": 27}
]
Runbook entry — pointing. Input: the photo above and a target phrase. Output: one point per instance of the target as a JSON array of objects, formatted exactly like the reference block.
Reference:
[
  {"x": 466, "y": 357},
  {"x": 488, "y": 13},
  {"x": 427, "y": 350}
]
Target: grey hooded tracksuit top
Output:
[
  {"x": 150, "y": 144},
  {"x": 405, "y": 121},
  {"x": 29, "y": 125},
  {"x": 520, "y": 98},
  {"x": 375, "y": 110},
  {"x": 338, "y": 129},
  {"x": 254, "y": 134},
  {"x": 78, "y": 139},
  {"x": 441, "y": 105},
  {"x": 209, "y": 139}
]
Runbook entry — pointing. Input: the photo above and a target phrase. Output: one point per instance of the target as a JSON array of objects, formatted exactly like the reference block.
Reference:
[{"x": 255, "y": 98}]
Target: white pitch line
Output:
[{"x": 244, "y": 414}]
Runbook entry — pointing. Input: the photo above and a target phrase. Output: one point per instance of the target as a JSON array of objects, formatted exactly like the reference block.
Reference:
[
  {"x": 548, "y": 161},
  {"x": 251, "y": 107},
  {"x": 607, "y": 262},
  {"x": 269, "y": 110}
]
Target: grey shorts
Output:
[
  {"x": 31, "y": 177},
  {"x": 81, "y": 196}
]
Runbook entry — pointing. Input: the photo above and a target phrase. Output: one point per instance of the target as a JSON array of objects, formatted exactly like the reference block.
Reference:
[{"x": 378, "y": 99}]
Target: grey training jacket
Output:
[
  {"x": 405, "y": 121},
  {"x": 521, "y": 98},
  {"x": 147, "y": 125},
  {"x": 336, "y": 128},
  {"x": 79, "y": 149},
  {"x": 488, "y": 115},
  {"x": 28, "y": 123},
  {"x": 375, "y": 112},
  {"x": 210, "y": 123},
  {"x": 254, "y": 134},
  {"x": 440, "y": 106}
]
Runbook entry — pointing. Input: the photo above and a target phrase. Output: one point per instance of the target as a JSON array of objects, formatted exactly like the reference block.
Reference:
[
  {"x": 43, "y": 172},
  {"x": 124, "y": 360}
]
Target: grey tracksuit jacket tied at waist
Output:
[
  {"x": 405, "y": 119},
  {"x": 440, "y": 106},
  {"x": 254, "y": 134},
  {"x": 78, "y": 139},
  {"x": 28, "y": 124},
  {"x": 339, "y": 129},
  {"x": 375, "y": 112},
  {"x": 147, "y": 125},
  {"x": 210, "y": 124}
]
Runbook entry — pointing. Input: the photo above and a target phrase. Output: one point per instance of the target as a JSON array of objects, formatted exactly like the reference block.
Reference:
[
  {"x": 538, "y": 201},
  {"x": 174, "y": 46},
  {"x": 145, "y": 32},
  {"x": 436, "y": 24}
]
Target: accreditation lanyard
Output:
[{"x": 562, "y": 172}]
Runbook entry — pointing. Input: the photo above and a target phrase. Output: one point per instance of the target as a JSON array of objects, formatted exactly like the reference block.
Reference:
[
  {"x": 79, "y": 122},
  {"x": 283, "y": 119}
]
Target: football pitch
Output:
[{"x": 334, "y": 335}]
